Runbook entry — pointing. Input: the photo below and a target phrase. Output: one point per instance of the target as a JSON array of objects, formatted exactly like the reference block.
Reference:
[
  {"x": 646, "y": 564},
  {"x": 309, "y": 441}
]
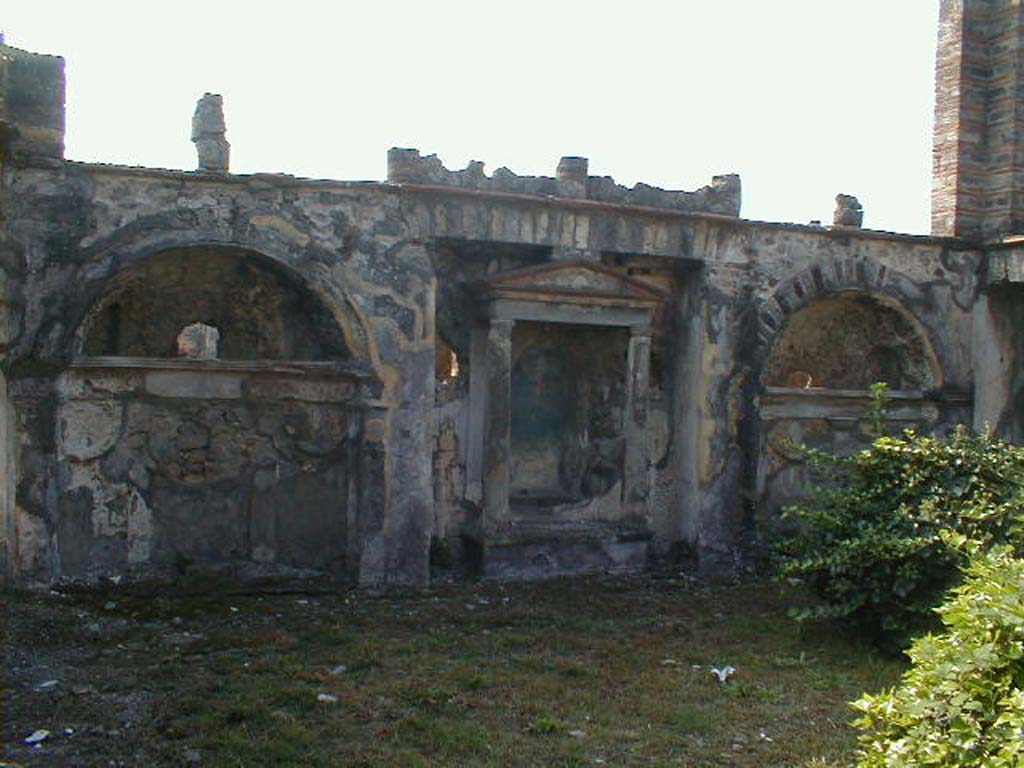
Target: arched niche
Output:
[
  {"x": 259, "y": 309},
  {"x": 251, "y": 458},
  {"x": 850, "y": 341},
  {"x": 816, "y": 383}
]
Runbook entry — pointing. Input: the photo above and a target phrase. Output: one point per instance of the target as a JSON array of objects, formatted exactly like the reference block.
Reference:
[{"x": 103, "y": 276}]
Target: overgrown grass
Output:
[{"x": 584, "y": 672}]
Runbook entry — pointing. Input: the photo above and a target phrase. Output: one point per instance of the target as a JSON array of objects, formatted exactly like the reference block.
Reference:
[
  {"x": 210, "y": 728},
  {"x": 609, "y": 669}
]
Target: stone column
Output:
[
  {"x": 497, "y": 452},
  {"x": 7, "y": 485},
  {"x": 635, "y": 485},
  {"x": 477, "y": 414}
]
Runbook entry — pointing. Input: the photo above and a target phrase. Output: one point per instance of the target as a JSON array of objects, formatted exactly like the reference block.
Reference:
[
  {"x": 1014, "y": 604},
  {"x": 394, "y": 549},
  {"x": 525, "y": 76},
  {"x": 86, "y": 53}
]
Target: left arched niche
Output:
[
  {"x": 171, "y": 462},
  {"x": 259, "y": 310}
]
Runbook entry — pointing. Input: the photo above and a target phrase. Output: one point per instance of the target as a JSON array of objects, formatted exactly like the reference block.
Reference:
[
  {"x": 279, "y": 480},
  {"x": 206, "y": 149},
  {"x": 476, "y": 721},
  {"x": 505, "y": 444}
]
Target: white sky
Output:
[{"x": 802, "y": 98}]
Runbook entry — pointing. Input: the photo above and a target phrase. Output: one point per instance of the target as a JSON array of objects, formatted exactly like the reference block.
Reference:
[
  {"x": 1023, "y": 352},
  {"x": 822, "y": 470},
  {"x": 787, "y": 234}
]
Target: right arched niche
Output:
[
  {"x": 850, "y": 341},
  {"x": 816, "y": 385}
]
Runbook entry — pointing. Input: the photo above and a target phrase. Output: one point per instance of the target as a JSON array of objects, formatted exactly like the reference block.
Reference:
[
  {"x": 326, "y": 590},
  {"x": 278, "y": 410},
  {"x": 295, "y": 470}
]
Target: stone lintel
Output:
[{"x": 575, "y": 313}]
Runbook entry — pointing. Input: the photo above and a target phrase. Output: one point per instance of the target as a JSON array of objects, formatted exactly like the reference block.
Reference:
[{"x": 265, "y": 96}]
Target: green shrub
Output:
[
  {"x": 962, "y": 703},
  {"x": 870, "y": 543}
]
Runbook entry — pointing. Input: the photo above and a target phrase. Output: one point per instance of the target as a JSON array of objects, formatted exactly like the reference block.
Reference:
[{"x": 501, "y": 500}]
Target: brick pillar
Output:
[
  {"x": 978, "y": 149},
  {"x": 958, "y": 146}
]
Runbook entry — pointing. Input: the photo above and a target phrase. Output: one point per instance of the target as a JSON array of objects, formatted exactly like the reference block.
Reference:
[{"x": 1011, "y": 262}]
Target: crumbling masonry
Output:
[{"x": 512, "y": 376}]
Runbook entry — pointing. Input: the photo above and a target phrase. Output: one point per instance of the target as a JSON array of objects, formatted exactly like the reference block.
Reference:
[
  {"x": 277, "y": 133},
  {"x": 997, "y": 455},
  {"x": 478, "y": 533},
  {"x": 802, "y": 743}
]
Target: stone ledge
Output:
[
  {"x": 311, "y": 381},
  {"x": 288, "y": 367},
  {"x": 851, "y": 405}
]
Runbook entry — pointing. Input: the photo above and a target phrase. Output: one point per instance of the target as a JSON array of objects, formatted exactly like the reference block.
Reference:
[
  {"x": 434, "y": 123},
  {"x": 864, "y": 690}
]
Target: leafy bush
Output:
[
  {"x": 870, "y": 541},
  {"x": 962, "y": 703}
]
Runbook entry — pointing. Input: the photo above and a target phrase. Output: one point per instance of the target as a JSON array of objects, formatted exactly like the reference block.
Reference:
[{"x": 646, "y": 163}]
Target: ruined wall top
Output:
[
  {"x": 31, "y": 104},
  {"x": 408, "y": 166}
]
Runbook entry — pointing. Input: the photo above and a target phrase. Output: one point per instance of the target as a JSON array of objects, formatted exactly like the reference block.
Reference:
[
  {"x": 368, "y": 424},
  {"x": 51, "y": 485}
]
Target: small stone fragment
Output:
[
  {"x": 849, "y": 212},
  {"x": 38, "y": 736},
  {"x": 208, "y": 134},
  {"x": 198, "y": 341},
  {"x": 341, "y": 669}
]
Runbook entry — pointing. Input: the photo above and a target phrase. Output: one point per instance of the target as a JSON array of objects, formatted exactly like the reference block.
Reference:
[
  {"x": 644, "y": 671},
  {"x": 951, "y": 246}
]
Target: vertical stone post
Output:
[
  {"x": 7, "y": 485},
  {"x": 572, "y": 176},
  {"x": 477, "y": 414},
  {"x": 635, "y": 485},
  {"x": 498, "y": 423},
  {"x": 573, "y": 226}
]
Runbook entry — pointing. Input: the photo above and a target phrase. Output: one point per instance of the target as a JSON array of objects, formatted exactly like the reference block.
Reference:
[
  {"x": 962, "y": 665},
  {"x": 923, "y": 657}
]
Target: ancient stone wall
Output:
[
  {"x": 396, "y": 268},
  {"x": 522, "y": 375}
]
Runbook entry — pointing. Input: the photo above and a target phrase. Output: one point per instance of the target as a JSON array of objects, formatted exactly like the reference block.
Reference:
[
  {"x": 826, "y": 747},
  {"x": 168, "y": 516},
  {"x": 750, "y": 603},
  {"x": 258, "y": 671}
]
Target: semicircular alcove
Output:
[
  {"x": 181, "y": 454},
  {"x": 850, "y": 341},
  {"x": 816, "y": 382},
  {"x": 259, "y": 310}
]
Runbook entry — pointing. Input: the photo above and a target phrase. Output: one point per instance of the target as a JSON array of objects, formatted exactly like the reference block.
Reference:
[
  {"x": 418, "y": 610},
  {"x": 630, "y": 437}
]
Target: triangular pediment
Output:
[{"x": 575, "y": 281}]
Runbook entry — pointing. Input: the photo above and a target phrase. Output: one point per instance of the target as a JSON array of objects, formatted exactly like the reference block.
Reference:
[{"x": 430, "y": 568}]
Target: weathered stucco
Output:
[{"x": 503, "y": 375}]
